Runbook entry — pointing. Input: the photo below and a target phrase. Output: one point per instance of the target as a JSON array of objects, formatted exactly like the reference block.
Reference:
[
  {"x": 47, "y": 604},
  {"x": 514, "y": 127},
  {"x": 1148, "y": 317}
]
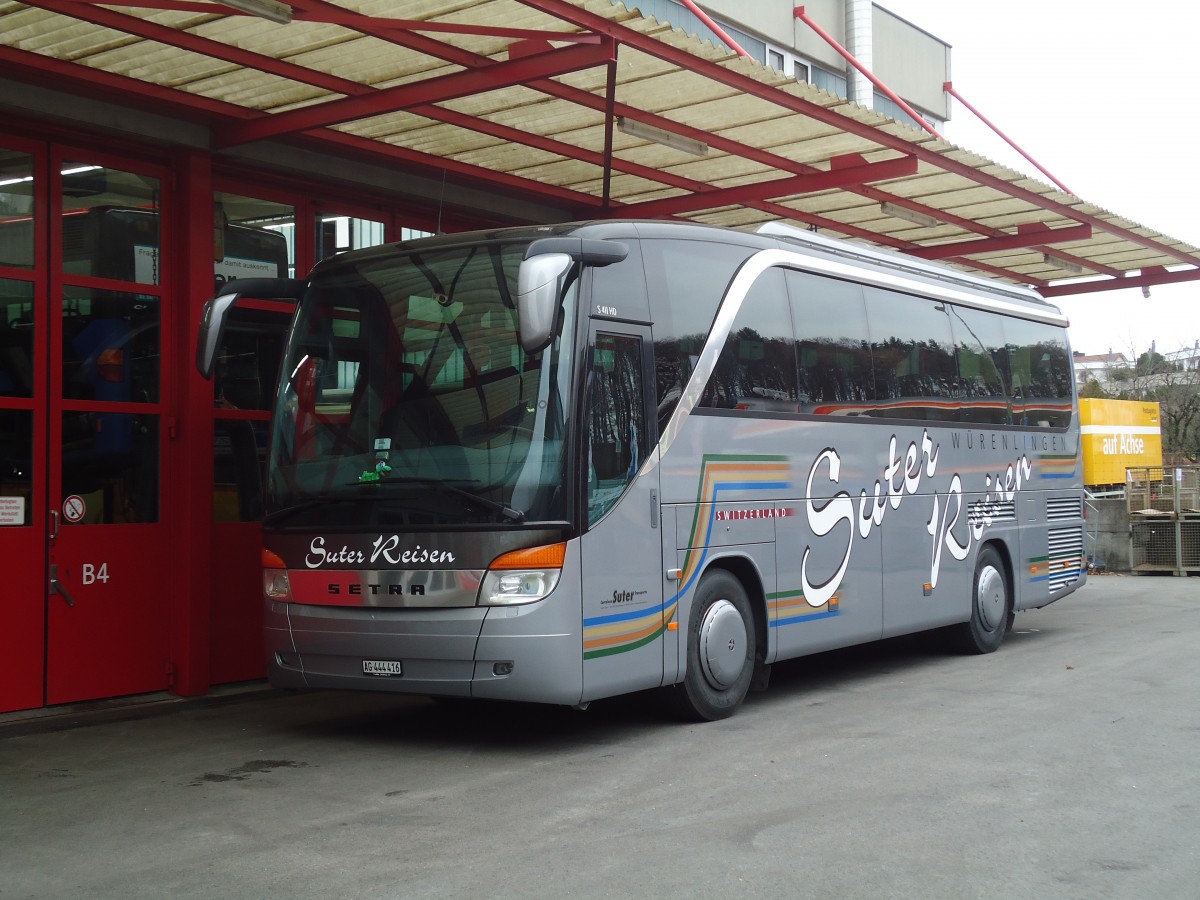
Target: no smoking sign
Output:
[{"x": 74, "y": 509}]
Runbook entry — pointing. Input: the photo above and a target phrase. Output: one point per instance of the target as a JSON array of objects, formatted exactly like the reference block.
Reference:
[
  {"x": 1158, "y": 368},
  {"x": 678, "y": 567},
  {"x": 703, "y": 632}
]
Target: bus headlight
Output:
[
  {"x": 522, "y": 576},
  {"x": 276, "y": 585}
]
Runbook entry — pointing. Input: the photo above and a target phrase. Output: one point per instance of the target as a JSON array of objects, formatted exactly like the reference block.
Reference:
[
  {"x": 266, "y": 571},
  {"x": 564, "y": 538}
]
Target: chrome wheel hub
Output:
[
  {"x": 991, "y": 599},
  {"x": 722, "y": 644}
]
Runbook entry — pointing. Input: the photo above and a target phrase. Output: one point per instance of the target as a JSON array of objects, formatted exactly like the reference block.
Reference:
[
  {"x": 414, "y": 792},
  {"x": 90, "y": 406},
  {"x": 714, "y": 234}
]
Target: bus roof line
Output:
[
  {"x": 977, "y": 299},
  {"x": 899, "y": 261}
]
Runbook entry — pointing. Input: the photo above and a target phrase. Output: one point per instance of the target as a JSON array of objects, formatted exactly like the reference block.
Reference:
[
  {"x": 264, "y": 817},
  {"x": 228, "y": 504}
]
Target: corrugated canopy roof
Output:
[{"x": 527, "y": 95}]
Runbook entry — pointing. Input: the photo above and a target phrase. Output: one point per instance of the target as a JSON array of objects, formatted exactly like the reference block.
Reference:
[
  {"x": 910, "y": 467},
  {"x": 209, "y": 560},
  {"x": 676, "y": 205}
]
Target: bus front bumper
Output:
[{"x": 526, "y": 653}]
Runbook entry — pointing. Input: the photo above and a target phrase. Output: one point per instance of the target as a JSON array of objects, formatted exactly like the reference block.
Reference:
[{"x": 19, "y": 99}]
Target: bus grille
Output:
[
  {"x": 1064, "y": 508},
  {"x": 1065, "y": 556}
]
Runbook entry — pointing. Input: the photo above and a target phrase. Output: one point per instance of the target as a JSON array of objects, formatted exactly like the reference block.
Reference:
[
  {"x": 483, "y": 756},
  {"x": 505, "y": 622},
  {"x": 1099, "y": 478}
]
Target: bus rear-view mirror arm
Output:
[
  {"x": 544, "y": 274},
  {"x": 216, "y": 313}
]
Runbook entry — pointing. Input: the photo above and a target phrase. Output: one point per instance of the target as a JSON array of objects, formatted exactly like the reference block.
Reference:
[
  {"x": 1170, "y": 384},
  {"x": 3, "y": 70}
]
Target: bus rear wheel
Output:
[
  {"x": 720, "y": 651},
  {"x": 991, "y": 607}
]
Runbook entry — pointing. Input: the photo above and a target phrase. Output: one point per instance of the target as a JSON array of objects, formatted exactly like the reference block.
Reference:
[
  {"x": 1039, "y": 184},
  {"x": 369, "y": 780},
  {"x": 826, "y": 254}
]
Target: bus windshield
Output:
[{"x": 406, "y": 399}]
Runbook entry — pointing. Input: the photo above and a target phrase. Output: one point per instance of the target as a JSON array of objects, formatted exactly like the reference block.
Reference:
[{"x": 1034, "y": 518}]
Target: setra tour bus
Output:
[{"x": 562, "y": 463}]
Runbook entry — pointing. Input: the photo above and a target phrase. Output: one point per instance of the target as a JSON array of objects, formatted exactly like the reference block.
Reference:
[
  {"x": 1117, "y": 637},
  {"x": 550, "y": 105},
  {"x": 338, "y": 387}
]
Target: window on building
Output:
[
  {"x": 337, "y": 234},
  {"x": 829, "y": 82}
]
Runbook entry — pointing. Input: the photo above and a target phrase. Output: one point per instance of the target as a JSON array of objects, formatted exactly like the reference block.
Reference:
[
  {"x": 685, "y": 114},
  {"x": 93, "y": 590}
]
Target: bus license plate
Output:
[{"x": 385, "y": 667}]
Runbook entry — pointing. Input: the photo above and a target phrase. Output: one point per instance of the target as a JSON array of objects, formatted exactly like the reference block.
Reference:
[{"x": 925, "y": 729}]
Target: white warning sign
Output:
[{"x": 12, "y": 510}]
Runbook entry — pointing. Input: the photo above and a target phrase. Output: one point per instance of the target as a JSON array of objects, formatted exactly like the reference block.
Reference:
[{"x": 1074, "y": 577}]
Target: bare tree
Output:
[{"x": 1173, "y": 381}]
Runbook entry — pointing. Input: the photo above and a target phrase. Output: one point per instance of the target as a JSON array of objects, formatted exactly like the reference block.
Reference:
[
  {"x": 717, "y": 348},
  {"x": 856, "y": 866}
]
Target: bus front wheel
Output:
[
  {"x": 991, "y": 607},
  {"x": 720, "y": 650}
]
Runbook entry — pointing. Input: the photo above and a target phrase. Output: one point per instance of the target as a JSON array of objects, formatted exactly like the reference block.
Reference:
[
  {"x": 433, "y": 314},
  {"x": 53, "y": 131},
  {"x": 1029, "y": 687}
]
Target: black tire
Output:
[
  {"x": 720, "y": 650},
  {"x": 991, "y": 607}
]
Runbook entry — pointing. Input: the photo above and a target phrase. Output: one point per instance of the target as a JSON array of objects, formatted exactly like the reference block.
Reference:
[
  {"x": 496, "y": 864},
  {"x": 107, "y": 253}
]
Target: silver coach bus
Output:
[{"x": 562, "y": 463}]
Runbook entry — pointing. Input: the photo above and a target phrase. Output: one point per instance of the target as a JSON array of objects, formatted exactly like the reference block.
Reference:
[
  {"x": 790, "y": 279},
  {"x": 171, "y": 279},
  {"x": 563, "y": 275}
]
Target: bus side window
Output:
[
  {"x": 617, "y": 439},
  {"x": 757, "y": 366},
  {"x": 685, "y": 280},
  {"x": 832, "y": 344},
  {"x": 916, "y": 376},
  {"x": 1041, "y": 374},
  {"x": 982, "y": 365}
]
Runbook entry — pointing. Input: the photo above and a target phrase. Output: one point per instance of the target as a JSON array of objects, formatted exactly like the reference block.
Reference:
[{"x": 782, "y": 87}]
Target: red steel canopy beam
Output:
[
  {"x": 85, "y": 11},
  {"x": 203, "y": 46},
  {"x": 459, "y": 56},
  {"x": 714, "y": 27},
  {"x": 96, "y": 83},
  {"x": 730, "y": 78},
  {"x": 1032, "y": 238},
  {"x": 550, "y": 145},
  {"x": 432, "y": 90},
  {"x": 365, "y": 148},
  {"x": 167, "y": 100},
  {"x": 1119, "y": 284},
  {"x": 949, "y": 89},
  {"x": 66, "y": 75},
  {"x": 776, "y": 187},
  {"x": 316, "y": 10},
  {"x": 331, "y": 15},
  {"x": 766, "y": 157}
]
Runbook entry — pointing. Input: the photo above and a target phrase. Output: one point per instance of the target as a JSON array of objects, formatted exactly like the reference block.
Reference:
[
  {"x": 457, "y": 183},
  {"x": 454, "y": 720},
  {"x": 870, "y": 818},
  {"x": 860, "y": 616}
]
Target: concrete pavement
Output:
[{"x": 1062, "y": 766}]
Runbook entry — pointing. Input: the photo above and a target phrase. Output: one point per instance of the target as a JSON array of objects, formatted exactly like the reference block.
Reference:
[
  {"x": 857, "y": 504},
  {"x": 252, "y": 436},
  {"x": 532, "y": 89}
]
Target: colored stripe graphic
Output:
[
  {"x": 614, "y": 633},
  {"x": 720, "y": 473},
  {"x": 789, "y": 607},
  {"x": 1056, "y": 465}
]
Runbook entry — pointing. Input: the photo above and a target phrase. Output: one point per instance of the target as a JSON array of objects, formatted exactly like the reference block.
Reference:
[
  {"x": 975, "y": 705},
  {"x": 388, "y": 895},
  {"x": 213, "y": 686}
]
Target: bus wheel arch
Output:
[
  {"x": 991, "y": 603},
  {"x": 724, "y": 642},
  {"x": 741, "y": 568},
  {"x": 1010, "y": 571}
]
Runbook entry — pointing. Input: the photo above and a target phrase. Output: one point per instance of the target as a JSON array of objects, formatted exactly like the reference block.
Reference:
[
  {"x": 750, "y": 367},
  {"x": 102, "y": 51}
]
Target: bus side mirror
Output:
[
  {"x": 539, "y": 291},
  {"x": 216, "y": 313},
  {"x": 541, "y": 279},
  {"x": 212, "y": 332}
]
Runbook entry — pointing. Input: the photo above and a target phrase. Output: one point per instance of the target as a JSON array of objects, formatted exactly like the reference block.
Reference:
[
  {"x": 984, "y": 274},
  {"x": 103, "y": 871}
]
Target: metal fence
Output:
[
  {"x": 1091, "y": 534},
  {"x": 1163, "y": 503}
]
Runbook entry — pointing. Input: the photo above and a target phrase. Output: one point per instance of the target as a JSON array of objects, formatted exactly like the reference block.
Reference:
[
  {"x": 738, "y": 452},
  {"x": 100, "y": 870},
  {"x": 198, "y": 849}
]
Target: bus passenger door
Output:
[{"x": 623, "y": 624}]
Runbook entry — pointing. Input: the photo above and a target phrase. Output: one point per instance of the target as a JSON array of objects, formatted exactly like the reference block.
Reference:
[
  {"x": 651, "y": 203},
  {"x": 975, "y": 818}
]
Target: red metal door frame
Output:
[
  {"x": 179, "y": 641},
  {"x": 110, "y": 637},
  {"x": 23, "y": 603}
]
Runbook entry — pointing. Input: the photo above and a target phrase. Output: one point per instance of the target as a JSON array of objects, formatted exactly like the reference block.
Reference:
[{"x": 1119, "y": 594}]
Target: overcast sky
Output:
[{"x": 1101, "y": 94}]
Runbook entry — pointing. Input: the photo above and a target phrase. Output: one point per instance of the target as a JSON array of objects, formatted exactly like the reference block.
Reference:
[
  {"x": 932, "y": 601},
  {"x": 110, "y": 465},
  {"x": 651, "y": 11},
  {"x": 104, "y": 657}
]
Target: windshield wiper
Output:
[
  {"x": 513, "y": 515},
  {"x": 278, "y": 515}
]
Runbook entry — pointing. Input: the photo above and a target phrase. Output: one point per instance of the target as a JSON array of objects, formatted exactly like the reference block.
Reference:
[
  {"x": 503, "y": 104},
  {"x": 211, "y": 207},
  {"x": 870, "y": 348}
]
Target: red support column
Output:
[{"x": 188, "y": 473}]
